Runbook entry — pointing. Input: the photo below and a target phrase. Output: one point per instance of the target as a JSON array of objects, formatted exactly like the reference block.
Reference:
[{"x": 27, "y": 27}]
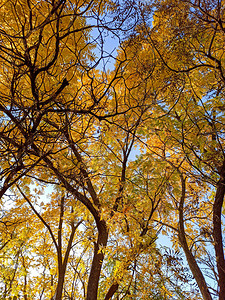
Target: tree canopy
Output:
[{"x": 112, "y": 149}]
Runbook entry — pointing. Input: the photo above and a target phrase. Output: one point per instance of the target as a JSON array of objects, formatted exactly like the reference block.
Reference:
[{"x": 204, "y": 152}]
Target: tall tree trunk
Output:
[
  {"x": 217, "y": 232},
  {"x": 60, "y": 284},
  {"x": 62, "y": 263},
  {"x": 98, "y": 257},
  {"x": 199, "y": 278}
]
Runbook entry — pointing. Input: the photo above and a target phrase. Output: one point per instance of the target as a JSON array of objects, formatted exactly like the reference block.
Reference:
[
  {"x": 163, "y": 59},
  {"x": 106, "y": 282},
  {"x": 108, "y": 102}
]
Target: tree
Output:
[
  {"x": 186, "y": 39},
  {"x": 69, "y": 125},
  {"x": 53, "y": 101}
]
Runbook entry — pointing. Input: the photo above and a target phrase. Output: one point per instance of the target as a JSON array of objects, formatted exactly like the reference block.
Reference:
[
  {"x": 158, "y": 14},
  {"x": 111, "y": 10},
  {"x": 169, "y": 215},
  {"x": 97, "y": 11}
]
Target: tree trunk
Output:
[
  {"x": 199, "y": 278},
  {"x": 59, "y": 290},
  {"x": 217, "y": 232},
  {"x": 111, "y": 291},
  {"x": 92, "y": 288},
  {"x": 195, "y": 270}
]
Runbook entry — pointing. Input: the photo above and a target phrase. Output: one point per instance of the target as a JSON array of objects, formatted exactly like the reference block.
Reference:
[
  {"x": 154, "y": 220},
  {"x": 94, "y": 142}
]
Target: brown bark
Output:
[
  {"x": 62, "y": 265},
  {"x": 60, "y": 284},
  {"x": 217, "y": 232},
  {"x": 102, "y": 239},
  {"x": 113, "y": 288},
  {"x": 189, "y": 256},
  {"x": 98, "y": 257}
]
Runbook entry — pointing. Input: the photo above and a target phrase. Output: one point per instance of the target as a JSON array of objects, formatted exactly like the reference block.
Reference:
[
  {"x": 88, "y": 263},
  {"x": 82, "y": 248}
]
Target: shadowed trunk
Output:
[
  {"x": 199, "y": 278},
  {"x": 217, "y": 232},
  {"x": 92, "y": 288},
  {"x": 111, "y": 291}
]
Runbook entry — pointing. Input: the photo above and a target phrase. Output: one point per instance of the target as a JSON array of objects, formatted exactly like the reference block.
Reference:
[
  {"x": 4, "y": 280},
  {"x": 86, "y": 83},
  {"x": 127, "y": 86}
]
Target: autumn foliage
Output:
[{"x": 112, "y": 149}]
